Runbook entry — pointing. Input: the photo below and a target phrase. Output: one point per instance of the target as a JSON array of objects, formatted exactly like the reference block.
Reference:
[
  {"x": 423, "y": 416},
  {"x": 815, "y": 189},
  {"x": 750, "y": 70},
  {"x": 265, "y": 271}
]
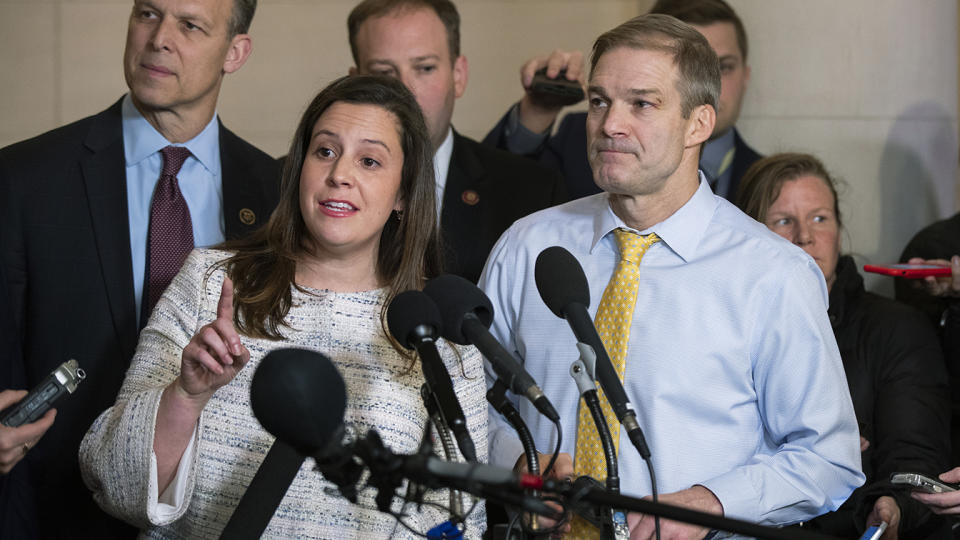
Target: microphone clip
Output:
[
  {"x": 583, "y": 369},
  {"x": 338, "y": 465}
]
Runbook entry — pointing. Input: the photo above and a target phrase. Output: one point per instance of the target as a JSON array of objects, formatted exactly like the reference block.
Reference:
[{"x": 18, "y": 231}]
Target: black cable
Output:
[
  {"x": 603, "y": 431},
  {"x": 497, "y": 397},
  {"x": 556, "y": 450},
  {"x": 653, "y": 493},
  {"x": 564, "y": 519},
  {"x": 512, "y": 523}
]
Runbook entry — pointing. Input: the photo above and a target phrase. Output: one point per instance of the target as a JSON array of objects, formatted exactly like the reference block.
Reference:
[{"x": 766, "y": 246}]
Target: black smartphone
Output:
[
  {"x": 61, "y": 382},
  {"x": 558, "y": 92}
]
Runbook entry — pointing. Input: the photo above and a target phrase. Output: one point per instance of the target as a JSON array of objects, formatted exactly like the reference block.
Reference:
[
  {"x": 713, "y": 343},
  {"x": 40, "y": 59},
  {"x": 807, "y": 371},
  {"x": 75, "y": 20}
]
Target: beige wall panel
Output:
[
  {"x": 91, "y": 56},
  {"x": 298, "y": 47},
  {"x": 827, "y": 58},
  {"x": 28, "y": 70},
  {"x": 498, "y": 36}
]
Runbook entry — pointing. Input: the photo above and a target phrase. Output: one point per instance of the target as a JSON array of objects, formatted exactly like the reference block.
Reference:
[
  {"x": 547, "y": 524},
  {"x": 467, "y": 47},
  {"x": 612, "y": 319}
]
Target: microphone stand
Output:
[
  {"x": 388, "y": 471},
  {"x": 612, "y": 522},
  {"x": 446, "y": 441},
  {"x": 595, "y": 494},
  {"x": 497, "y": 397}
]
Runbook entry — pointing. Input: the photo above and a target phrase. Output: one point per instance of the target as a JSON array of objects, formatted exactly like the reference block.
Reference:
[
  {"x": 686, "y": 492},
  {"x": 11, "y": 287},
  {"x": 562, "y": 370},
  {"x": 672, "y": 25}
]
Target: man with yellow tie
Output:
[{"x": 717, "y": 328}]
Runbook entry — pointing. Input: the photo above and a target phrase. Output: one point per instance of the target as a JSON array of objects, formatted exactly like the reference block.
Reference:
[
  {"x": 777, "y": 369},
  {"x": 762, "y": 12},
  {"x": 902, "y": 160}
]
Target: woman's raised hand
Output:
[{"x": 215, "y": 354}]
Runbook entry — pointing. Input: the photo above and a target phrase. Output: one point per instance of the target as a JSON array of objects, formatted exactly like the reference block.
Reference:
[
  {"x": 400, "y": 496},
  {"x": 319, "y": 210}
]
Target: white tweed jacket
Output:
[{"x": 229, "y": 445}]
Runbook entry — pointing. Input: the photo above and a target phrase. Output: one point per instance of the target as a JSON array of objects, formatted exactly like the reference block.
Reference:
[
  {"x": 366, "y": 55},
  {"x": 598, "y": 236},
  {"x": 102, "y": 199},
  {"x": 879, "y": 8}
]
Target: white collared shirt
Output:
[{"x": 441, "y": 166}]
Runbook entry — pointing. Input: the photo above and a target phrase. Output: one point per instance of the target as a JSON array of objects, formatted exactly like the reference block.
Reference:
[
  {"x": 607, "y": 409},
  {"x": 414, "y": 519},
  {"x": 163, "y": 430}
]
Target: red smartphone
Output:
[{"x": 909, "y": 271}]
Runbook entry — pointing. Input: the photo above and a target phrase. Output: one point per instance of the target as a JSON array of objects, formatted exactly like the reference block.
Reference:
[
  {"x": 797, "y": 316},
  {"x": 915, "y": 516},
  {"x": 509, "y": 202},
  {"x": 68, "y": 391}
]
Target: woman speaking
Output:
[{"x": 355, "y": 226}]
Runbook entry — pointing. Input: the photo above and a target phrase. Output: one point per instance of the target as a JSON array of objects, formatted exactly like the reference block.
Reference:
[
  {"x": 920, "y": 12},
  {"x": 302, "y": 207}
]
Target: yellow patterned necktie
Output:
[{"x": 614, "y": 315}]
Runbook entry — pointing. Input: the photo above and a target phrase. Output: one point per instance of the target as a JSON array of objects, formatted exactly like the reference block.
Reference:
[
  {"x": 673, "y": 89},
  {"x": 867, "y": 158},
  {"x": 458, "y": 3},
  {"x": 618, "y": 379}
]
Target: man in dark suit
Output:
[
  {"x": 85, "y": 239},
  {"x": 525, "y": 129},
  {"x": 482, "y": 190}
]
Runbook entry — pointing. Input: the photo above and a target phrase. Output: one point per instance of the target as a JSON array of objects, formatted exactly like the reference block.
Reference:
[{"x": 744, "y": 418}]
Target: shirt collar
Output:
[
  {"x": 441, "y": 158},
  {"x": 681, "y": 232},
  {"x": 141, "y": 140}
]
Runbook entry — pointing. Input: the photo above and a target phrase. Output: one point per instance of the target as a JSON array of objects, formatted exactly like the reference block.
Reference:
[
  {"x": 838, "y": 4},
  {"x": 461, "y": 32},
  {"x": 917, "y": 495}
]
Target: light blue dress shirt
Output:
[
  {"x": 200, "y": 183},
  {"x": 733, "y": 368}
]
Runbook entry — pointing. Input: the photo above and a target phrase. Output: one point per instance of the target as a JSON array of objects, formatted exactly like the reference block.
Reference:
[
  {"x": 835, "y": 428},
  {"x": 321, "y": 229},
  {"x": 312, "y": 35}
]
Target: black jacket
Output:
[
  {"x": 940, "y": 240},
  {"x": 898, "y": 383},
  {"x": 486, "y": 191},
  {"x": 66, "y": 250}
]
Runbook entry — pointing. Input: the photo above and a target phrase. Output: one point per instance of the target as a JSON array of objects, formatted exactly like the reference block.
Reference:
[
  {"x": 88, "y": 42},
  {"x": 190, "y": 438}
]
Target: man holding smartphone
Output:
[{"x": 526, "y": 127}]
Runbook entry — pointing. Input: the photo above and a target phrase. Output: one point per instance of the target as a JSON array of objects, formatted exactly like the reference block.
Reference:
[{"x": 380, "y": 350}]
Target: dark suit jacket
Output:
[
  {"x": 743, "y": 158},
  {"x": 486, "y": 191},
  {"x": 11, "y": 363},
  {"x": 63, "y": 218},
  {"x": 566, "y": 151}
]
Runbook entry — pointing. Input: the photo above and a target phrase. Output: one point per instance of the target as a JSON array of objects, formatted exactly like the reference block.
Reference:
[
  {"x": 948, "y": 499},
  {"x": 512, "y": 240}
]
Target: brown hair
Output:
[
  {"x": 241, "y": 16},
  {"x": 699, "y": 80},
  {"x": 761, "y": 185},
  {"x": 264, "y": 266},
  {"x": 704, "y": 13},
  {"x": 445, "y": 10}
]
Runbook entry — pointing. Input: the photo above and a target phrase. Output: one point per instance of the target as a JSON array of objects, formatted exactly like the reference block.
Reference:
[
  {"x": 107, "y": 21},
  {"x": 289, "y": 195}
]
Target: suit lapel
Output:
[
  {"x": 104, "y": 176},
  {"x": 461, "y": 194},
  {"x": 243, "y": 203},
  {"x": 463, "y": 203}
]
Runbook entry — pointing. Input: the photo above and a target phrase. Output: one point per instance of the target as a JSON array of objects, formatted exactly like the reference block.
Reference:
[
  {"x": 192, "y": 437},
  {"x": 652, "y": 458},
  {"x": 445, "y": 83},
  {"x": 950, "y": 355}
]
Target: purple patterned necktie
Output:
[{"x": 171, "y": 230}]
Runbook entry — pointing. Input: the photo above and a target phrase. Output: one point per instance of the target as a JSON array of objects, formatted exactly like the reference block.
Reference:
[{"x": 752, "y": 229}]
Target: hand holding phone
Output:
[
  {"x": 909, "y": 271},
  {"x": 947, "y": 503},
  {"x": 944, "y": 286},
  {"x": 556, "y": 92},
  {"x": 922, "y": 482}
]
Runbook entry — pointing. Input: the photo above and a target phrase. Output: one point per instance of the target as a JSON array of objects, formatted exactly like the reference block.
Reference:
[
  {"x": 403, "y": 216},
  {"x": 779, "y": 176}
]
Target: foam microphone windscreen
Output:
[
  {"x": 407, "y": 311},
  {"x": 456, "y": 297},
  {"x": 560, "y": 280},
  {"x": 299, "y": 396}
]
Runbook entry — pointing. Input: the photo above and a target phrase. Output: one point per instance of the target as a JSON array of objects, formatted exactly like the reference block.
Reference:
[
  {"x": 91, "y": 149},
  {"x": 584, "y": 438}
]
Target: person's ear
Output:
[
  {"x": 460, "y": 75},
  {"x": 700, "y": 125},
  {"x": 240, "y": 48}
]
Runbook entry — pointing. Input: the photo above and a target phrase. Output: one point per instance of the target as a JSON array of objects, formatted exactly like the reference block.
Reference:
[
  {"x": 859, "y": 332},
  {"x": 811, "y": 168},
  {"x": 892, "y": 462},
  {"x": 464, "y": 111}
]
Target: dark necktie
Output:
[{"x": 171, "y": 230}]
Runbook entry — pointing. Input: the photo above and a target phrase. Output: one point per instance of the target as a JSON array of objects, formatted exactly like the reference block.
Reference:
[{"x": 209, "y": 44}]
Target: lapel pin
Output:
[
  {"x": 470, "y": 197},
  {"x": 247, "y": 217}
]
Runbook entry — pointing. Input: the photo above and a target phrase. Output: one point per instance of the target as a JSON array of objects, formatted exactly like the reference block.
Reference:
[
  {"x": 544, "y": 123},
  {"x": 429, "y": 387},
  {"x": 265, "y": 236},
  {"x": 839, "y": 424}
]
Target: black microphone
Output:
[
  {"x": 414, "y": 321},
  {"x": 283, "y": 394},
  {"x": 467, "y": 314},
  {"x": 300, "y": 397},
  {"x": 564, "y": 289},
  {"x": 288, "y": 386}
]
